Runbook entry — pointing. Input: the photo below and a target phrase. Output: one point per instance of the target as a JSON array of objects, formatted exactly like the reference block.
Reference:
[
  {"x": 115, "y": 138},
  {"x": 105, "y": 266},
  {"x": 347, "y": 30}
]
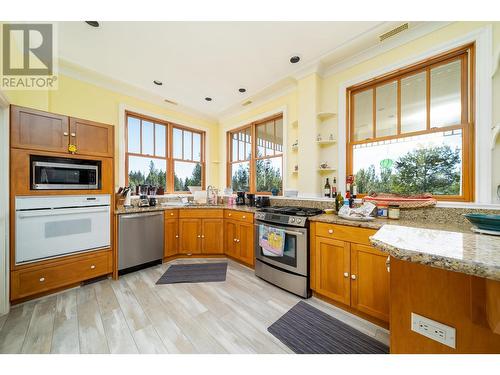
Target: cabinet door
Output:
[
  {"x": 92, "y": 138},
  {"x": 171, "y": 237},
  {"x": 38, "y": 130},
  {"x": 369, "y": 281},
  {"x": 230, "y": 237},
  {"x": 190, "y": 236},
  {"x": 245, "y": 243},
  {"x": 212, "y": 236},
  {"x": 332, "y": 269}
]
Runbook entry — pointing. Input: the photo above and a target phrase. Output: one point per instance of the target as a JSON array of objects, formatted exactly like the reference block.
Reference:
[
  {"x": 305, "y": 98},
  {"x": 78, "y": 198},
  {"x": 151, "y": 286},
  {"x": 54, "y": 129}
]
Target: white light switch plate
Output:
[{"x": 433, "y": 330}]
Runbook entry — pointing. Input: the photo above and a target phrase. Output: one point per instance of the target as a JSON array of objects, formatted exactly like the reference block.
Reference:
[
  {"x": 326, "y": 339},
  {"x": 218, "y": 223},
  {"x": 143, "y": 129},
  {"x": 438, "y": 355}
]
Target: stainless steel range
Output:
[{"x": 288, "y": 269}]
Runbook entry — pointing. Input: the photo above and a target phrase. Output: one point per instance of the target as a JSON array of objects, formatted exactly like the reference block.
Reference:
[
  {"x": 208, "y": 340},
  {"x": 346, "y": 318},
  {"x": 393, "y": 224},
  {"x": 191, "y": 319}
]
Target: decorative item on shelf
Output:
[
  {"x": 295, "y": 123},
  {"x": 323, "y": 116},
  {"x": 330, "y": 138},
  {"x": 324, "y": 165},
  {"x": 296, "y": 169},
  {"x": 295, "y": 144},
  {"x": 274, "y": 191},
  {"x": 318, "y": 138}
]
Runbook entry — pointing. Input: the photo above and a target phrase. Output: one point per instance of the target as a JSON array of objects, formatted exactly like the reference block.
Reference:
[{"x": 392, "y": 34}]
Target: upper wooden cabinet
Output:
[
  {"x": 91, "y": 138},
  {"x": 44, "y": 131},
  {"x": 38, "y": 130}
]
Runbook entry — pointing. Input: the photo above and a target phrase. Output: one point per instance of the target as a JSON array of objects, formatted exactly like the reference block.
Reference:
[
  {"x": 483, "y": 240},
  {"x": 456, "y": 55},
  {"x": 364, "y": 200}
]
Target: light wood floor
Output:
[{"x": 133, "y": 315}]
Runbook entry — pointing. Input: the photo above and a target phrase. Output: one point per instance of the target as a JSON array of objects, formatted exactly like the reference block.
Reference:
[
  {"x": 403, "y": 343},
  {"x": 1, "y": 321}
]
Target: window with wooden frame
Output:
[
  {"x": 412, "y": 131},
  {"x": 163, "y": 154},
  {"x": 255, "y": 156}
]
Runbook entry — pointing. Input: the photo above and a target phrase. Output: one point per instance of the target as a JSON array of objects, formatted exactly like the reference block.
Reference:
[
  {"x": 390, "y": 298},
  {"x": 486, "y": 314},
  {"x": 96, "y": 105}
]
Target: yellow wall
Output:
[{"x": 84, "y": 100}]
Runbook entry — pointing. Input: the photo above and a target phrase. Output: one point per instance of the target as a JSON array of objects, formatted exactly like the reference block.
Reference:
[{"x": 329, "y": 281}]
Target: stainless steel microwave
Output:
[{"x": 52, "y": 173}]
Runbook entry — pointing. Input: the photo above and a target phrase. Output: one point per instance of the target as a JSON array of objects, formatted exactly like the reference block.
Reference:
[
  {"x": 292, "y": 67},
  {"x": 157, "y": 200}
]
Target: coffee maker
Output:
[
  {"x": 251, "y": 200},
  {"x": 240, "y": 198}
]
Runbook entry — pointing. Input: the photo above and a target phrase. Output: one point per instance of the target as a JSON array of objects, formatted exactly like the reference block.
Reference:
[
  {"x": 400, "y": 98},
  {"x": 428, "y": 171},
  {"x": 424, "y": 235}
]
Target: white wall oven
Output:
[
  {"x": 54, "y": 226},
  {"x": 53, "y": 173}
]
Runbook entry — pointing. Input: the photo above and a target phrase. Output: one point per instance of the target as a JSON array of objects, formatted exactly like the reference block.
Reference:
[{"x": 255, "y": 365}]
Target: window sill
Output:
[{"x": 484, "y": 206}]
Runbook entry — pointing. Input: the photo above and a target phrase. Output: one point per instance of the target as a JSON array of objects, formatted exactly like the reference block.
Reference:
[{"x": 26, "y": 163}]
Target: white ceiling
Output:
[{"x": 215, "y": 59}]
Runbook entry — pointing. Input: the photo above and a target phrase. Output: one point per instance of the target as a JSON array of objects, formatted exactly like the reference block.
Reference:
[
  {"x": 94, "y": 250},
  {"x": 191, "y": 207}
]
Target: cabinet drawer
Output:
[
  {"x": 171, "y": 214},
  {"x": 239, "y": 215},
  {"x": 200, "y": 213},
  {"x": 36, "y": 280},
  {"x": 344, "y": 233}
]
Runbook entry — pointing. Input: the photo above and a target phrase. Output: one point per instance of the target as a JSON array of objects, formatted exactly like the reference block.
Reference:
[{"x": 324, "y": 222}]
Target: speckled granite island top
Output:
[
  {"x": 159, "y": 207},
  {"x": 468, "y": 253}
]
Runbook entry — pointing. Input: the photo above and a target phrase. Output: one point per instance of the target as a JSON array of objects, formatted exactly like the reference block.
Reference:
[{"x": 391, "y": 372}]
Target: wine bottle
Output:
[{"x": 327, "y": 189}]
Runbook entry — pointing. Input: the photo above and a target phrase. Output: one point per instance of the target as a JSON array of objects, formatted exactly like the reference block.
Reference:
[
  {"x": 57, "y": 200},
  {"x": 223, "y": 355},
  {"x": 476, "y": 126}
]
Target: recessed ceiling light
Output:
[
  {"x": 242, "y": 90},
  {"x": 156, "y": 82},
  {"x": 208, "y": 99},
  {"x": 294, "y": 59},
  {"x": 92, "y": 23}
]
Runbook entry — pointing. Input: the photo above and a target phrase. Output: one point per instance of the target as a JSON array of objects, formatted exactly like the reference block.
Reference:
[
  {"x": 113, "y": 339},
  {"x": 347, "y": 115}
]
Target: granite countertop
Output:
[
  {"x": 133, "y": 210},
  {"x": 380, "y": 222},
  {"x": 468, "y": 253}
]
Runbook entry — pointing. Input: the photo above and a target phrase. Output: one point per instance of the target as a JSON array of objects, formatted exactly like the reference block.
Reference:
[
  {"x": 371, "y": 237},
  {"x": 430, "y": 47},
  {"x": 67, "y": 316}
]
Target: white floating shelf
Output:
[
  {"x": 326, "y": 170},
  {"x": 216, "y": 161},
  {"x": 326, "y": 142},
  {"x": 323, "y": 116},
  {"x": 295, "y": 172},
  {"x": 295, "y": 124}
]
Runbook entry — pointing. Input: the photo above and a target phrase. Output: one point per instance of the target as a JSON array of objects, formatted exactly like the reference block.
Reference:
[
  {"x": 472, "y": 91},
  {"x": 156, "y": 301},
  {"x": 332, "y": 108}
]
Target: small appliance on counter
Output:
[
  {"x": 250, "y": 200},
  {"x": 240, "y": 198},
  {"x": 152, "y": 194},
  {"x": 143, "y": 201},
  {"x": 262, "y": 201}
]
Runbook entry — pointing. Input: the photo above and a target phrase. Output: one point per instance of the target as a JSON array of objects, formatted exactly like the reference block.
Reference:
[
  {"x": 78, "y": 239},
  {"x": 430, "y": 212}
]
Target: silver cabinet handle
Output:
[
  {"x": 65, "y": 133},
  {"x": 171, "y": 214},
  {"x": 229, "y": 214},
  {"x": 238, "y": 241},
  {"x": 346, "y": 274},
  {"x": 73, "y": 134},
  {"x": 199, "y": 236},
  {"x": 202, "y": 236},
  {"x": 353, "y": 277},
  {"x": 176, "y": 236},
  {"x": 92, "y": 266},
  {"x": 330, "y": 231},
  {"x": 42, "y": 279},
  {"x": 243, "y": 217}
]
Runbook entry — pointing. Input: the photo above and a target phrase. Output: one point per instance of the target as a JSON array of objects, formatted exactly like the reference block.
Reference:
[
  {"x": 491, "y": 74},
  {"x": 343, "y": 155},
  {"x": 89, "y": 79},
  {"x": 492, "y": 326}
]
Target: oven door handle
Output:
[
  {"x": 291, "y": 232},
  {"x": 57, "y": 212}
]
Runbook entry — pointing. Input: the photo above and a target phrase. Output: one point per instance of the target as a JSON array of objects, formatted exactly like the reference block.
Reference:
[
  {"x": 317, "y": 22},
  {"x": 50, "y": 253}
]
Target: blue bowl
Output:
[{"x": 484, "y": 221}]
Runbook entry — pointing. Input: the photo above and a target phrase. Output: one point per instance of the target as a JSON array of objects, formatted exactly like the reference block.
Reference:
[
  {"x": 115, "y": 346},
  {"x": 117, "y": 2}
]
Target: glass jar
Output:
[{"x": 393, "y": 211}]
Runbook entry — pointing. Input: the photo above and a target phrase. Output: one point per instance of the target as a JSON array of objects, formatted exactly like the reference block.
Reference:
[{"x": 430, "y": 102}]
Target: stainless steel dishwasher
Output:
[{"x": 140, "y": 240}]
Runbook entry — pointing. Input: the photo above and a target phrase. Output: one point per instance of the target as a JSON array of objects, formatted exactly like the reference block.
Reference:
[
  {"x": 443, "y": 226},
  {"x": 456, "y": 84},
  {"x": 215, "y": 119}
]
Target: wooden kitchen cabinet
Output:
[
  {"x": 239, "y": 236},
  {"x": 230, "y": 237},
  {"x": 190, "y": 236},
  {"x": 348, "y": 270},
  {"x": 38, "y": 130},
  {"x": 91, "y": 138},
  {"x": 369, "y": 281},
  {"x": 44, "y": 131},
  {"x": 333, "y": 269},
  {"x": 171, "y": 236},
  {"x": 212, "y": 238}
]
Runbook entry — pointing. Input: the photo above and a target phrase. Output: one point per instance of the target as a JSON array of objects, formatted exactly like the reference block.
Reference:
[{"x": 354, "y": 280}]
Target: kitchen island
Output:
[{"x": 450, "y": 277}]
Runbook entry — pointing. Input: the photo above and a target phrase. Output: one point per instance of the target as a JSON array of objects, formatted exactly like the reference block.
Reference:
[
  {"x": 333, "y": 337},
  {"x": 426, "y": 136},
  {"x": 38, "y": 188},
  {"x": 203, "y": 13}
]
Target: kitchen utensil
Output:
[
  {"x": 240, "y": 198},
  {"x": 262, "y": 201},
  {"x": 251, "y": 200}
]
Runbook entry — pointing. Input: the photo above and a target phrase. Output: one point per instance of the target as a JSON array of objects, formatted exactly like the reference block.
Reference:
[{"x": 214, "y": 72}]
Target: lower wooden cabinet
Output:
[
  {"x": 350, "y": 272},
  {"x": 201, "y": 231},
  {"x": 239, "y": 240},
  {"x": 369, "y": 281},
  {"x": 171, "y": 237},
  {"x": 212, "y": 238},
  {"x": 332, "y": 269},
  {"x": 55, "y": 274},
  {"x": 190, "y": 236}
]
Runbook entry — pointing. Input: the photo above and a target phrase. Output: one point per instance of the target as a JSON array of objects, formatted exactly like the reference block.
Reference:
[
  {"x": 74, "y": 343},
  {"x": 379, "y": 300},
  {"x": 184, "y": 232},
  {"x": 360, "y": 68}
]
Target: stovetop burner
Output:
[{"x": 295, "y": 211}]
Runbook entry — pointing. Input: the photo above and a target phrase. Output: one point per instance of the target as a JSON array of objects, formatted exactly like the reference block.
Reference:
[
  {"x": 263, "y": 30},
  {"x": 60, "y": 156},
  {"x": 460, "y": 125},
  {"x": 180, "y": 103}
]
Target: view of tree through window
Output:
[
  {"x": 149, "y": 146},
  {"x": 410, "y": 132},
  {"x": 257, "y": 166}
]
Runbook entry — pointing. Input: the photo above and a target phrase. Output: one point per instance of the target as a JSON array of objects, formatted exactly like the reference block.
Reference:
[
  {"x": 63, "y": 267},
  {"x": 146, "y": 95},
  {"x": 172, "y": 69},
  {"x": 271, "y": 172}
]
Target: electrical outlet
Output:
[{"x": 433, "y": 330}]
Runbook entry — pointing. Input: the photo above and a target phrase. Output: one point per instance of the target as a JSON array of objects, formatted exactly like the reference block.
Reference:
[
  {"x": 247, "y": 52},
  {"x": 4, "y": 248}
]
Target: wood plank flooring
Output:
[{"x": 133, "y": 315}]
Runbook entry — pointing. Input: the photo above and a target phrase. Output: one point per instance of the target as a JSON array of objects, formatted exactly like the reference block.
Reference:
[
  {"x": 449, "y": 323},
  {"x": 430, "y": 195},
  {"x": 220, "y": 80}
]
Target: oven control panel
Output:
[{"x": 296, "y": 221}]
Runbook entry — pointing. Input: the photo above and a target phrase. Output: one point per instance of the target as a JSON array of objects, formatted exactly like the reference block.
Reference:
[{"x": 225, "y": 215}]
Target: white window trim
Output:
[
  {"x": 122, "y": 124},
  {"x": 260, "y": 116},
  {"x": 483, "y": 109}
]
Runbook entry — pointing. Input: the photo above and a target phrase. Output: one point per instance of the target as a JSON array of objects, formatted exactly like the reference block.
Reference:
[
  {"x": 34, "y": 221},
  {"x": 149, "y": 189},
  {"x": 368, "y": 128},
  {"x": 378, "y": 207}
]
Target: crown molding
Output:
[
  {"x": 81, "y": 73},
  {"x": 411, "y": 34}
]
